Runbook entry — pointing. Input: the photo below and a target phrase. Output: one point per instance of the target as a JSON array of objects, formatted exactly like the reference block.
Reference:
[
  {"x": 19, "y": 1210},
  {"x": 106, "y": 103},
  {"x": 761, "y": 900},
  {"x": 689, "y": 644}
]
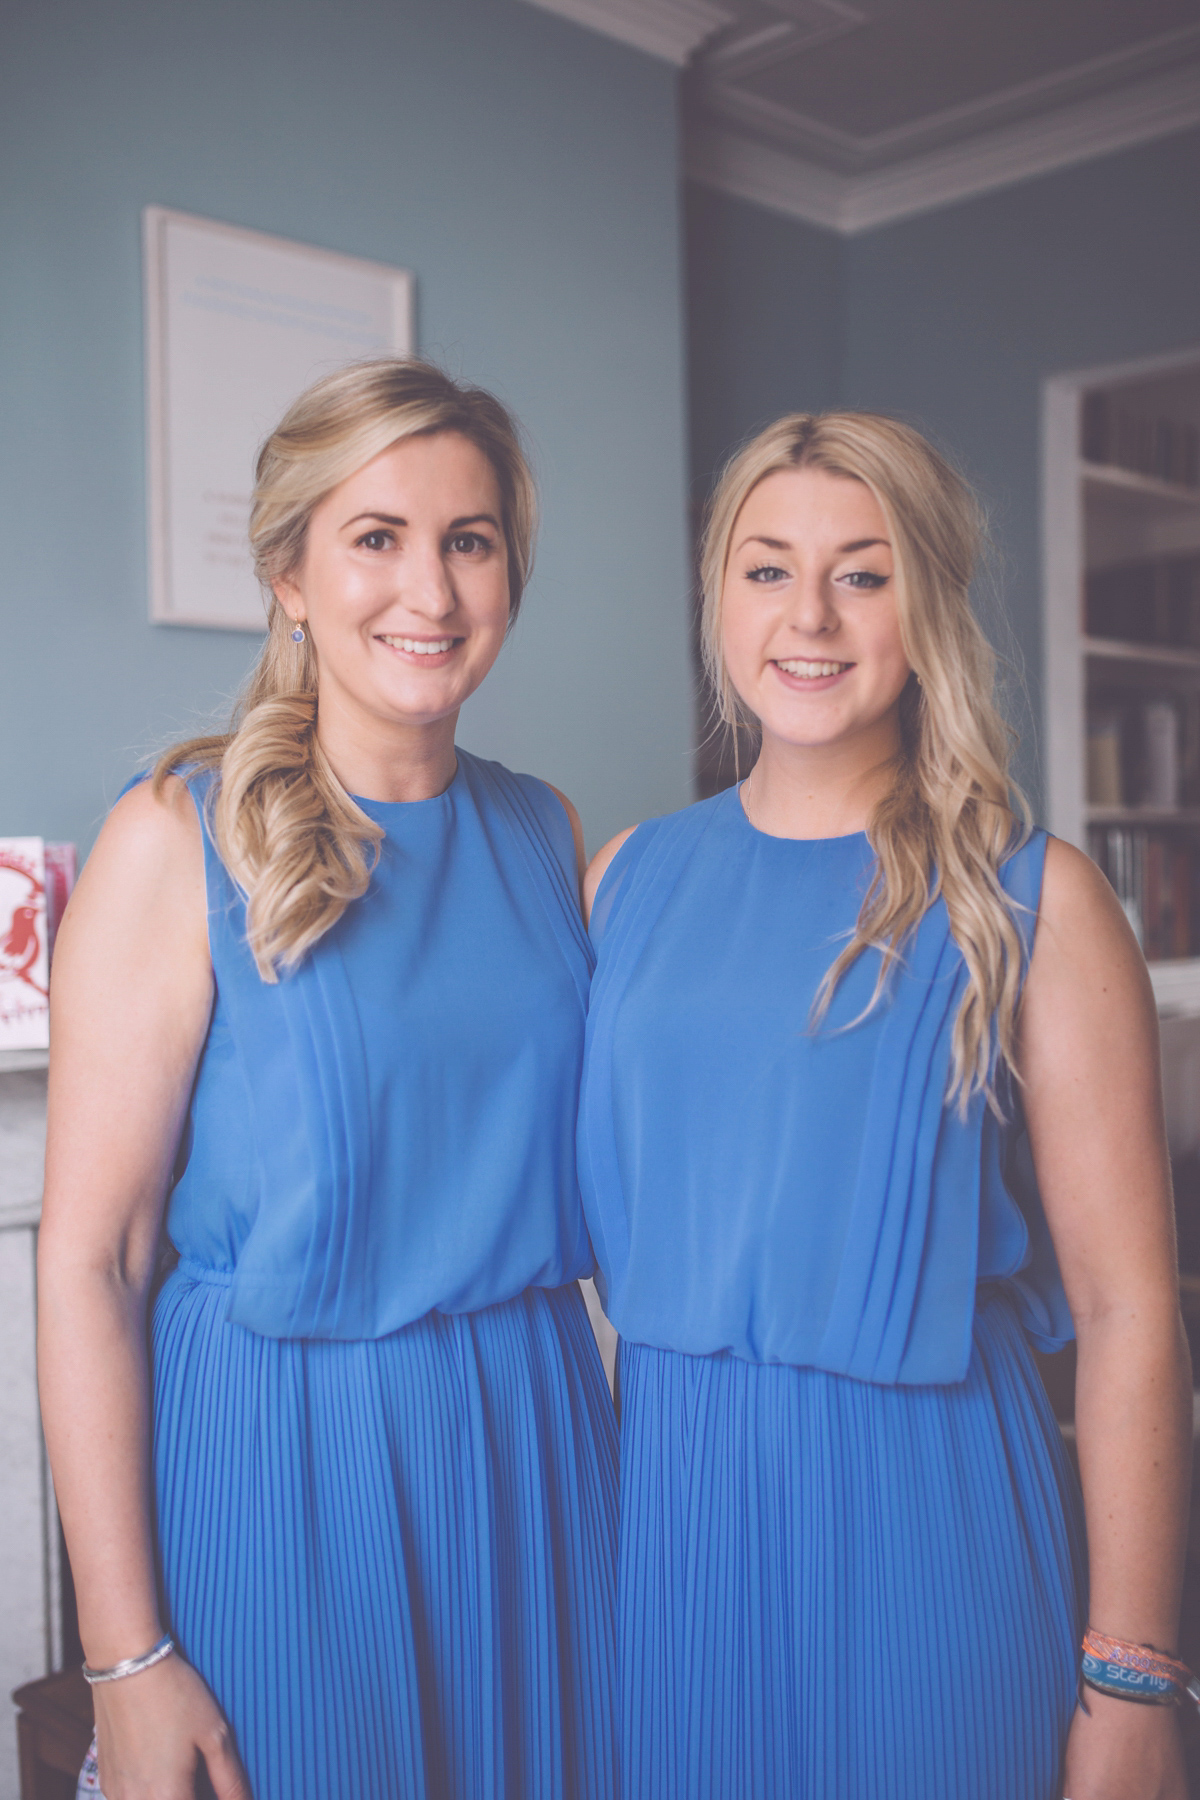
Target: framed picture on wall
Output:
[{"x": 237, "y": 323}]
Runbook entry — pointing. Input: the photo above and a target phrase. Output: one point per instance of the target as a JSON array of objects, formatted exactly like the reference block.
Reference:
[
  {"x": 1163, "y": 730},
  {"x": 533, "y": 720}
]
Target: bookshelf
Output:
[
  {"x": 1121, "y": 537},
  {"x": 1158, "y": 495},
  {"x": 1163, "y": 656},
  {"x": 1142, "y": 815}
]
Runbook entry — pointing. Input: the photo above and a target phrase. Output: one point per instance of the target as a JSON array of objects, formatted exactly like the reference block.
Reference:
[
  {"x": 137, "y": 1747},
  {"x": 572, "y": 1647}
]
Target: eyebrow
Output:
[
  {"x": 843, "y": 549},
  {"x": 482, "y": 518}
]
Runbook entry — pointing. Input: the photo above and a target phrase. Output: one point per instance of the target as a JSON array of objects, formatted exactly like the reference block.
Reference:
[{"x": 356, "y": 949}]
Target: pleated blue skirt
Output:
[
  {"x": 394, "y": 1561},
  {"x": 830, "y": 1590}
]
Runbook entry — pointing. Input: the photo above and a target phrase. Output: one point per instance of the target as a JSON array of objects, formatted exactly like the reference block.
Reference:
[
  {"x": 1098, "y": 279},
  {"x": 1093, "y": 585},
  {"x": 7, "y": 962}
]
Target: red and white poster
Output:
[
  {"x": 36, "y": 879},
  {"x": 24, "y": 946}
]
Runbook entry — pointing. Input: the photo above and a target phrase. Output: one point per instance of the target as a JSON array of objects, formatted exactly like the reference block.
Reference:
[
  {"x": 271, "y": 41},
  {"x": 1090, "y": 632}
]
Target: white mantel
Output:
[{"x": 30, "y": 1616}]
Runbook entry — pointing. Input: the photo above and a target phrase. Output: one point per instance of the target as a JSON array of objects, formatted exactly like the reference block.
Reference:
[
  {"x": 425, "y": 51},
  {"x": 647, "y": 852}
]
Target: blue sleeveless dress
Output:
[
  {"x": 384, "y": 1447},
  {"x": 851, "y": 1562}
]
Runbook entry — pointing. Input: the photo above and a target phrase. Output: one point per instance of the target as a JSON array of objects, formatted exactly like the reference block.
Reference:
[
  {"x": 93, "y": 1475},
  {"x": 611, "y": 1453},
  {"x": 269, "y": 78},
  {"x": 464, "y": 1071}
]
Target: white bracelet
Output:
[{"x": 133, "y": 1665}]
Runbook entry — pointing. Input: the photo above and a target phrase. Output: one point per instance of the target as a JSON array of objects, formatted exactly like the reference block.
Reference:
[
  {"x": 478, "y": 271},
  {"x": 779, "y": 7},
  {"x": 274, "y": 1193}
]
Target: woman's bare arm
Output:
[
  {"x": 132, "y": 994},
  {"x": 1089, "y": 1058}
]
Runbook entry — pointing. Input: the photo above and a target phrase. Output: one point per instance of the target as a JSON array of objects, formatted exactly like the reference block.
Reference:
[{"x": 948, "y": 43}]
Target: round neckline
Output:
[
  {"x": 429, "y": 800},
  {"x": 772, "y": 837}
]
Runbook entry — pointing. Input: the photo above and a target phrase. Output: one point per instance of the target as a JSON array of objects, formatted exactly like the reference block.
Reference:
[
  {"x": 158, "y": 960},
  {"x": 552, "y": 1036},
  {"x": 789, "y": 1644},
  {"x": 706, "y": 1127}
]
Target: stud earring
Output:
[{"x": 298, "y": 635}]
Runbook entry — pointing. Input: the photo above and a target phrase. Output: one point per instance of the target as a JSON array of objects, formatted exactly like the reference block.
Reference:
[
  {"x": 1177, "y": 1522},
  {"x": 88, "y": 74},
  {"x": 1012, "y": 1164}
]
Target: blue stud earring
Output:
[{"x": 298, "y": 635}]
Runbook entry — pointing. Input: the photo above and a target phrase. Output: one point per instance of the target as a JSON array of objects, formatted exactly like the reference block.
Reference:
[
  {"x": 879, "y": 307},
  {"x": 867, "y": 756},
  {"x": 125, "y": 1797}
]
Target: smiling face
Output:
[
  {"x": 404, "y": 584},
  {"x": 809, "y": 626}
]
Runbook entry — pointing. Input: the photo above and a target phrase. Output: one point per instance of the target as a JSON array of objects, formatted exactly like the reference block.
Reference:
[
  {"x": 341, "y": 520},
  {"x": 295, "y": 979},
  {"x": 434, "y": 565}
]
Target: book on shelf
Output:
[
  {"x": 1105, "y": 786},
  {"x": 1160, "y": 755},
  {"x": 35, "y": 881},
  {"x": 1153, "y": 876},
  {"x": 1167, "y": 449},
  {"x": 1143, "y": 751},
  {"x": 1155, "y": 600}
]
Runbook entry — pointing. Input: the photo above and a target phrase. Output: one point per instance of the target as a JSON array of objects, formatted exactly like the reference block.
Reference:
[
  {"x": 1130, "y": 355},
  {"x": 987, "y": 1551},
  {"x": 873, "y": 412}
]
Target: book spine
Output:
[{"x": 1160, "y": 749}]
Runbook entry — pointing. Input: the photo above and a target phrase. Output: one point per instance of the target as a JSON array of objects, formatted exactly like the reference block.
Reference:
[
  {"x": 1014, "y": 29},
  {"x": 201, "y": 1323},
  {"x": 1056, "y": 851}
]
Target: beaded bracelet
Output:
[
  {"x": 1135, "y": 1672},
  {"x": 133, "y": 1665}
]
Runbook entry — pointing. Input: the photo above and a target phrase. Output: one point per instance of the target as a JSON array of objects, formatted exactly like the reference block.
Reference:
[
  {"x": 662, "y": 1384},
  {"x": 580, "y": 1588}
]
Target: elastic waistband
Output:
[
  {"x": 191, "y": 1270},
  {"x": 195, "y": 1271}
]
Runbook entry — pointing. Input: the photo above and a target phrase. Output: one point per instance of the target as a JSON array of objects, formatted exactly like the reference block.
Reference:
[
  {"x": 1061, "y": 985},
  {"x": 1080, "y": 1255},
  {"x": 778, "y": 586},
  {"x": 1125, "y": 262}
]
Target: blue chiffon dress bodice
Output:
[
  {"x": 847, "y": 1220},
  {"x": 390, "y": 1128},
  {"x": 846, "y": 1509},
  {"x": 384, "y": 1446}
]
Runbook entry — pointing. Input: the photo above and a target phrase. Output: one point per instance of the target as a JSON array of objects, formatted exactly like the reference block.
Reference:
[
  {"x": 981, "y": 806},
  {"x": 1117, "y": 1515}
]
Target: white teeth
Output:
[
  {"x": 810, "y": 671},
  {"x": 418, "y": 646}
]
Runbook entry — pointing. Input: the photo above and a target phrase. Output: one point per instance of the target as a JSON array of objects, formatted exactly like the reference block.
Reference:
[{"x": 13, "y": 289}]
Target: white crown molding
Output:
[
  {"x": 669, "y": 28},
  {"x": 851, "y": 154},
  {"x": 806, "y": 24},
  {"x": 751, "y": 170}
]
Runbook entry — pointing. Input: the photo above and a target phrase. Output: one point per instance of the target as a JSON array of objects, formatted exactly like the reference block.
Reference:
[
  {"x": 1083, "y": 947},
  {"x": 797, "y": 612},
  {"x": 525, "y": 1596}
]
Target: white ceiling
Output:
[{"x": 849, "y": 113}]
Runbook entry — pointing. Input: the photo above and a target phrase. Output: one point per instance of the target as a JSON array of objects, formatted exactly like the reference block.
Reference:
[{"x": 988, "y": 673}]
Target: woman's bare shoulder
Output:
[
  {"x": 1087, "y": 971},
  {"x": 575, "y": 822},
  {"x": 1080, "y": 919},
  {"x": 1072, "y": 880},
  {"x": 598, "y": 867},
  {"x": 147, "y": 822},
  {"x": 148, "y": 859}
]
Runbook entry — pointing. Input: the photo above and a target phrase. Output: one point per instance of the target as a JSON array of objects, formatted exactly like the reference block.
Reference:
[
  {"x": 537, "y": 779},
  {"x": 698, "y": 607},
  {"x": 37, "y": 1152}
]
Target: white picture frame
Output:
[{"x": 237, "y": 323}]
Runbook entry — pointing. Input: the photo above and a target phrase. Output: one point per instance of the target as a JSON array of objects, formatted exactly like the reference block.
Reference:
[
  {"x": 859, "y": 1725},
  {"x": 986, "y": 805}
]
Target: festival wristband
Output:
[{"x": 1135, "y": 1672}]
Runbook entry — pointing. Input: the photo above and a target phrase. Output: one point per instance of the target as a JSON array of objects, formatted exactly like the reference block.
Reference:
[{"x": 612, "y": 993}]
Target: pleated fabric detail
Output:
[
  {"x": 394, "y": 1560},
  {"x": 757, "y": 1185},
  {"x": 834, "y": 1590},
  {"x": 390, "y": 1128}
]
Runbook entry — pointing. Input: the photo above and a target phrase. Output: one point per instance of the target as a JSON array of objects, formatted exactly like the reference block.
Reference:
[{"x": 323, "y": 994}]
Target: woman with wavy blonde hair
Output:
[
  {"x": 871, "y": 1100},
  {"x": 346, "y": 1528}
]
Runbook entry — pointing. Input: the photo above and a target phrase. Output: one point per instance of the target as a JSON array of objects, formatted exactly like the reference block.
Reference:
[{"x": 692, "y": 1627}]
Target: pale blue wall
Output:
[
  {"x": 765, "y": 322},
  {"x": 953, "y": 320},
  {"x": 525, "y": 169}
]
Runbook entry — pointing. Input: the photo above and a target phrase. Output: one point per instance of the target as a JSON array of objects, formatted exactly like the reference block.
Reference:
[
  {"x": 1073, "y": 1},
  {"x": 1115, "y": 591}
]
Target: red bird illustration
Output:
[{"x": 22, "y": 946}]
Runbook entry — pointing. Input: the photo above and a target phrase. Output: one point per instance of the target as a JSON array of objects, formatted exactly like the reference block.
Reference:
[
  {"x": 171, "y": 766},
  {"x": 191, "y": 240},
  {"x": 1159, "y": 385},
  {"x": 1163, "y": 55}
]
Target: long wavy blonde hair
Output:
[
  {"x": 290, "y": 835},
  {"x": 953, "y": 812}
]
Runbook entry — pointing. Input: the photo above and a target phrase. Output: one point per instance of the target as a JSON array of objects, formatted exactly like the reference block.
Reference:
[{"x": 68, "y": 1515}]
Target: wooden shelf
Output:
[
  {"x": 1098, "y": 516},
  {"x": 1111, "y": 475},
  {"x": 1142, "y": 815},
  {"x": 1176, "y": 984},
  {"x": 19, "y": 1062},
  {"x": 1169, "y": 656}
]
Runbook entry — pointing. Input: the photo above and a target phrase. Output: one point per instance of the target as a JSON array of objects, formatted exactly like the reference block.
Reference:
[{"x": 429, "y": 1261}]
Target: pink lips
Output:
[
  {"x": 425, "y": 659},
  {"x": 811, "y": 684}
]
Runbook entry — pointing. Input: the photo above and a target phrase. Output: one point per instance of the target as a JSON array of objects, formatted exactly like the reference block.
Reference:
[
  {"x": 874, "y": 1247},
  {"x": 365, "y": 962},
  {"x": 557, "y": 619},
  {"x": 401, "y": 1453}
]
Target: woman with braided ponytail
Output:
[
  {"x": 869, "y": 1063},
  {"x": 344, "y": 1528}
]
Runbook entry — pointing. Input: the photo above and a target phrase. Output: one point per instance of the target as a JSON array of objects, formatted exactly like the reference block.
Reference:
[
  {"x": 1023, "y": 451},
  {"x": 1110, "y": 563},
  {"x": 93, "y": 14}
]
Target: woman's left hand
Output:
[{"x": 1120, "y": 1751}]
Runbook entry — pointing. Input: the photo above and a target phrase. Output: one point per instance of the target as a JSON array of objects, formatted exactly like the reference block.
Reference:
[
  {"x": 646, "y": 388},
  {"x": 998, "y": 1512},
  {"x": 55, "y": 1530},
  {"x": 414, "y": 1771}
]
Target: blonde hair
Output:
[
  {"x": 290, "y": 835},
  {"x": 953, "y": 813}
]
